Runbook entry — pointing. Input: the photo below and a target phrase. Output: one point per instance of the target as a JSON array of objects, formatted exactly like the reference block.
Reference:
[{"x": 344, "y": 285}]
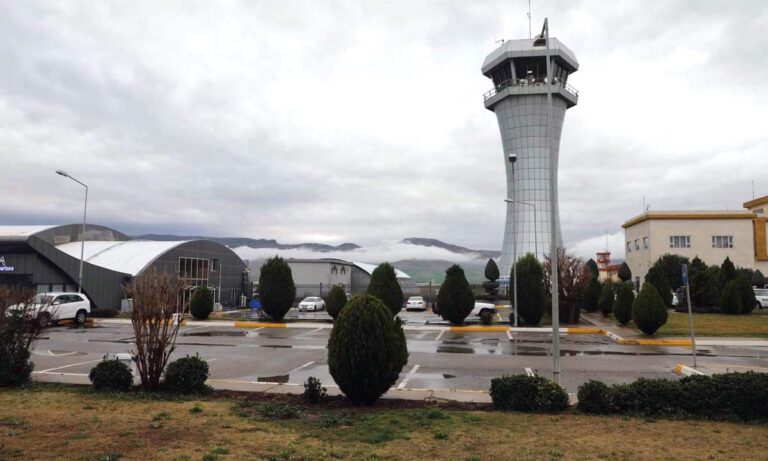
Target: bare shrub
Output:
[
  {"x": 573, "y": 277},
  {"x": 156, "y": 297},
  {"x": 21, "y": 323}
]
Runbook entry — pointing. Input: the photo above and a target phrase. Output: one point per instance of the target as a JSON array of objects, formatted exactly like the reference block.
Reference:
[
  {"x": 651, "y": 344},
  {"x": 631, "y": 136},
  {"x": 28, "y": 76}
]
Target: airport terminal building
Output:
[
  {"x": 315, "y": 277},
  {"x": 47, "y": 259}
]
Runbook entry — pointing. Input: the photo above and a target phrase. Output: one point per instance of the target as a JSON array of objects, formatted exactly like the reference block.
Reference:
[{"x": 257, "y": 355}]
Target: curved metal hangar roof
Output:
[{"x": 130, "y": 257}]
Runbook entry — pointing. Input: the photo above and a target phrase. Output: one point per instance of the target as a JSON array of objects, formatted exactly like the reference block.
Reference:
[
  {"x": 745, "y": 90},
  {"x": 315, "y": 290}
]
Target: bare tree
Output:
[
  {"x": 22, "y": 321},
  {"x": 573, "y": 278},
  {"x": 156, "y": 297}
]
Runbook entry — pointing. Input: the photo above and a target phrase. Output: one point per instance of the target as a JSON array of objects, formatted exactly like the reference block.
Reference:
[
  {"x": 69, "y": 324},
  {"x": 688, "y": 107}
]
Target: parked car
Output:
[
  {"x": 486, "y": 312},
  {"x": 52, "y": 307},
  {"x": 761, "y": 294},
  {"x": 311, "y": 304},
  {"x": 415, "y": 303}
]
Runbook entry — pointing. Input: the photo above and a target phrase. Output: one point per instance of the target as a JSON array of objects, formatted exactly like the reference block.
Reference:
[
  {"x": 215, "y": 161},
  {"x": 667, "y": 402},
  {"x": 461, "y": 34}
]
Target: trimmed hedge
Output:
[
  {"x": 111, "y": 375},
  {"x": 527, "y": 393},
  {"x": 187, "y": 375},
  {"x": 728, "y": 396}
]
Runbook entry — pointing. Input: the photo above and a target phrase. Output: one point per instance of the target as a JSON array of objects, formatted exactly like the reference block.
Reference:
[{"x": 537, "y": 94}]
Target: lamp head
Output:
[
  {"x": 62, "y": 173},
  {"x": 512, "y": 157}
]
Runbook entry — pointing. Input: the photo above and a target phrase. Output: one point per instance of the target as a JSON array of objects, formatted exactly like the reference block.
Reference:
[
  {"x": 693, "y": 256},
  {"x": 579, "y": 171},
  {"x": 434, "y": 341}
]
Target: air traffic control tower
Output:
[{"x": 519, "y": 99}]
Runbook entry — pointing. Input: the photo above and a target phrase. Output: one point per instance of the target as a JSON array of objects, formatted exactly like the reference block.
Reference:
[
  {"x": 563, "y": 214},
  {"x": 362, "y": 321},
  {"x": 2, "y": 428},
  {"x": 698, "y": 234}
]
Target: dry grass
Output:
[
  {"x": 754, "y": 325},
  {"x": 46, "y": 423}
]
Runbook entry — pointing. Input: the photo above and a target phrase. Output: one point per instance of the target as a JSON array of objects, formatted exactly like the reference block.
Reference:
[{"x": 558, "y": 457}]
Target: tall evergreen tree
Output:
[
  {"x": 592, "y": 266},
  {"x": 384, "y": 286},
  {"x": 276, "y": 288},
  {"x": 455, "y": 300},
  {"x": 758, "y": 279},
  {"x": 658, "y": 279},
  {"x": 531, "y": 295},
  {"x": 624, "y": 273}
]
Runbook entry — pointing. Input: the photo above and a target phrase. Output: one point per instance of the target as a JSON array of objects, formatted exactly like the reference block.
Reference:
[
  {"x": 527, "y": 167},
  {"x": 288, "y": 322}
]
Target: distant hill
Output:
[
  {"x": 234, "y": 242},
  {"x": 427, "y": 242},
  {"x": 428, "y": 270}
]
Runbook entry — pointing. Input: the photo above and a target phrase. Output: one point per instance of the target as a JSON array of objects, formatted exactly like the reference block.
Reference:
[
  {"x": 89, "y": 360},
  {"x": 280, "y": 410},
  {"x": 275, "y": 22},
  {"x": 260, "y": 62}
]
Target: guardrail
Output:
[{"x": 528, "y": 83}]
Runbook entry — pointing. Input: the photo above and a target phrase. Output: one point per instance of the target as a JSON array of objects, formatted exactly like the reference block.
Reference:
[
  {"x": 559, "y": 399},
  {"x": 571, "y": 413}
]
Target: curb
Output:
[{"x": 685, "y": 370}]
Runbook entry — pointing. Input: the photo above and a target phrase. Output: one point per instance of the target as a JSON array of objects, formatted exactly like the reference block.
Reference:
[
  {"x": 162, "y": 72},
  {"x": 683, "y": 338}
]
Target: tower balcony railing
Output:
[{"x": 529, "y": 82}]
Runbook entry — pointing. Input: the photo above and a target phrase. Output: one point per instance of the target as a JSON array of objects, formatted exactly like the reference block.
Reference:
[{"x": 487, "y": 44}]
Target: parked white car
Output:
[
  {"x": 52, "y": 307},
  {"x": 311, "y": 304},
  {"x": 761, "y": 294},
  {"x": 486, "y": 312},
  {"x": 415, "y": 303}
]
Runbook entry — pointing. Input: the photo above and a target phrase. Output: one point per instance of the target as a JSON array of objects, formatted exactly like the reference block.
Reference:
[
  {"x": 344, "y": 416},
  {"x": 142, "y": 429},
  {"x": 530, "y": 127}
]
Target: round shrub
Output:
[
  {"x": 335, "y": 300},
  {"x": 187, "y": 375},
  {"x": 455, "y": 300},
  {"x": 730, "y": 299},
  {"x": 605, "y": 302},
  {"x": 276, "y": 288},
  {"x": 595, "y": 397},
  {"x": 384, "y": 286},
  {"x": 366, "y": 350},
  {"x": 648, "y": 310},
  {"x": 201, "y": 304},
  {"x": 15, "y": 366},
  {"x": 111, "y": 375},
  {"x": 527, "y": 393},
  {"x": 591, "y": 296},
  {"x": 622, "y": 308},
  {"x": 531, "y": 294}
]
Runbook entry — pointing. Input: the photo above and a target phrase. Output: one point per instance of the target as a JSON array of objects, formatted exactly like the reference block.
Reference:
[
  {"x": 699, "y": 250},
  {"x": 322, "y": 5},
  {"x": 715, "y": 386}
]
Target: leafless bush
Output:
[
  {"x": 572, "y": 279},
  {"x": 21, "y": 323},
  {"x": 156, "y": 298}
]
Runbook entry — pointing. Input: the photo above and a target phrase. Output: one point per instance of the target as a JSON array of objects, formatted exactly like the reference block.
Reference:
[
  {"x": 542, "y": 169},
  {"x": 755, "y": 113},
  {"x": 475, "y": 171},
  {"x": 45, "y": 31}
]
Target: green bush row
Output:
[
  {"x": 729, "y": 396},
  {"x": 186, "y": 375},
  {"x": 527, "y": 393}
]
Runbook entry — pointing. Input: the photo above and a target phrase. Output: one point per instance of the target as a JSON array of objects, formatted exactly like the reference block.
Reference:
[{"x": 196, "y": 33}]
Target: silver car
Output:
[{"x": 761, "y": 294}]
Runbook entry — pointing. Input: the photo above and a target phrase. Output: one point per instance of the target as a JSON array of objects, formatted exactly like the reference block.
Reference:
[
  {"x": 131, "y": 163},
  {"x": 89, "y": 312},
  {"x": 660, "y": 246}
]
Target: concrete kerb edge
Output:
[{"x": 685, "y": 370}]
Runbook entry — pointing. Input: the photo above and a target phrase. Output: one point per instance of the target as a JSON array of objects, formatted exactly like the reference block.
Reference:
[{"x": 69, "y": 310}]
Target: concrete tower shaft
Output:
[{"x": 518, "y": 98}]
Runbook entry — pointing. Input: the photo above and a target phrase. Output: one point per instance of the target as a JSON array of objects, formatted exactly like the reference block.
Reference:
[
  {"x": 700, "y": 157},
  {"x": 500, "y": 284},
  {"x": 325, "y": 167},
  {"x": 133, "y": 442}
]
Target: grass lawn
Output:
[
  {"x": 753, "y": 325},
  {"x": 51, "y": 423}
]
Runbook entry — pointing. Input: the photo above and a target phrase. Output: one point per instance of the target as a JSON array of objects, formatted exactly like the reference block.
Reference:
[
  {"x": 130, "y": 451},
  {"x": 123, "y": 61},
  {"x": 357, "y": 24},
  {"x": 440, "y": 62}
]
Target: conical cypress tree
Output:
[
  {"x": 622, "y": 308},
  {"x": 624, "y": 273},
  {"x": 335, "y": 301},
  {"x": 591, "y": 296},
  {"x": 530, "y": 289},
  {"x": 592, "y": 266},
  {"x": 276, "y": 288},
  {"x": 605, "y": 302},
  {"x": 366, "y": 350},
  {"x": 384, "y": 286},
  {"x": 656, "y": 277},
  {"x": 648, "y": 310},
  {"x": 758, "y": 279},
  {"x": 455, "y": 300},
  {"x": 201, "y": 304}
]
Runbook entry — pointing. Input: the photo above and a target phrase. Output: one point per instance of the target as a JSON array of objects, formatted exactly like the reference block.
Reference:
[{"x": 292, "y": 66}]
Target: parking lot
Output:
[{"x": 438, "y": 360}]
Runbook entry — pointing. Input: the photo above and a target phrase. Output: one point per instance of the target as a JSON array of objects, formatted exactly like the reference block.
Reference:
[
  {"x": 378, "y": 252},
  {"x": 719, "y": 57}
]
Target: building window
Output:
[
  {"x": 637, "y": 244},
  {"x": 194, "y": 270},
  {"x": 679, "y": 241},
  {"x": 214, "y": 265},
  {"x": 629, "y": 250},
  {"x": 645, "y": 243},
  {"x": 722, "y": 241}
]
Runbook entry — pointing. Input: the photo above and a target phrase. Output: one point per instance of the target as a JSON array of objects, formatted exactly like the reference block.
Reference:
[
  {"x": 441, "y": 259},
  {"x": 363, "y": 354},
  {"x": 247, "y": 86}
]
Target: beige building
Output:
[{"x": 710, "y": 235}]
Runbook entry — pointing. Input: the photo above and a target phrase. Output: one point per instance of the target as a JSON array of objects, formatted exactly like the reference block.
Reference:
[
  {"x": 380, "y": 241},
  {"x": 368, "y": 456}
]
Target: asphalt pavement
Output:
[{"x": 440, "y": 361}]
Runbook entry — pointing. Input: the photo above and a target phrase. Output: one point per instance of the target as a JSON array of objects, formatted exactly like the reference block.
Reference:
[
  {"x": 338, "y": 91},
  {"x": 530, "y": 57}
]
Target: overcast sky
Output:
[{"x": 364, "y": 121}]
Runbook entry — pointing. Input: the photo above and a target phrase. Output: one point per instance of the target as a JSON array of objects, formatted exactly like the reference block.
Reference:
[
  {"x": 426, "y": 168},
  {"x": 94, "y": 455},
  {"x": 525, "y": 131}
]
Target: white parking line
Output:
[
  {"x": 67, "y": 366},
  {"x": 308, "y": 332},
  {"x": 408, "y": 376},
  {"x": 440, "y": 335},
  {"x": 301, "y": 367},
  {"x": 509, "y": 335}
]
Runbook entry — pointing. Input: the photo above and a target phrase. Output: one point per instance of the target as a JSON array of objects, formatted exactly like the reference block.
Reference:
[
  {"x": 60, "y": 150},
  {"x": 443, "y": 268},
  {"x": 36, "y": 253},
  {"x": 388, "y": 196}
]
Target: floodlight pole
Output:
[
  {"x": 82, "y": 241},
  {"x": 553, "y": 258},
  {"x": 514, "y": 245}
]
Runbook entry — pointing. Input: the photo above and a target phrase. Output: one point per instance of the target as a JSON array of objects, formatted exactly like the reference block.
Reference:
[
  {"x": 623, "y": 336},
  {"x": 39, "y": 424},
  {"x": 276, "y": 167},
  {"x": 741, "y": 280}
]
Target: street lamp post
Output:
[
  {"x": 512, "y": 160},
  {"x": 82, "y": 241}
]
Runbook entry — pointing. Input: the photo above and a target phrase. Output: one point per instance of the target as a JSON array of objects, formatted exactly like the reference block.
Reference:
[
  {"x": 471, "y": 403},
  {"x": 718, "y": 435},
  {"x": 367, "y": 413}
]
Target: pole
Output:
[
  {"x": 553, "y": 258},
  {"x": 82, "y": 243},
  {"x": 514, "y": 245},
  {"x": 690, "y": 312}
]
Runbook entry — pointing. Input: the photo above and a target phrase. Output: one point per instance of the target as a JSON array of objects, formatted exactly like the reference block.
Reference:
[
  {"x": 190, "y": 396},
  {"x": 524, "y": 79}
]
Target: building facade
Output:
[
  {"x": 710, "y": 235},
  {"x": 47, "y": 259},
  {"x": 518, "y": 69}
]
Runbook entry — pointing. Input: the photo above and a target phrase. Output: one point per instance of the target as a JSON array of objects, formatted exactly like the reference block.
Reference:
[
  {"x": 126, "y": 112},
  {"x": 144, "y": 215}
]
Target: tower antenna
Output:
[{"x": 529, "y": 19}]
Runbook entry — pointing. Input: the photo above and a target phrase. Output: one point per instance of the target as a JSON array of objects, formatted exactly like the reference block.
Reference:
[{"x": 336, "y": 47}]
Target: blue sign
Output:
[
  {"x": 685, "y": 275},
  {"x": 4, "y": 267}
]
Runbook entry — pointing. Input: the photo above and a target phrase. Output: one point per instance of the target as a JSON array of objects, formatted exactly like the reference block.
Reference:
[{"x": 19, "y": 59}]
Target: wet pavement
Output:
[{"x": 437, "y": 359}]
